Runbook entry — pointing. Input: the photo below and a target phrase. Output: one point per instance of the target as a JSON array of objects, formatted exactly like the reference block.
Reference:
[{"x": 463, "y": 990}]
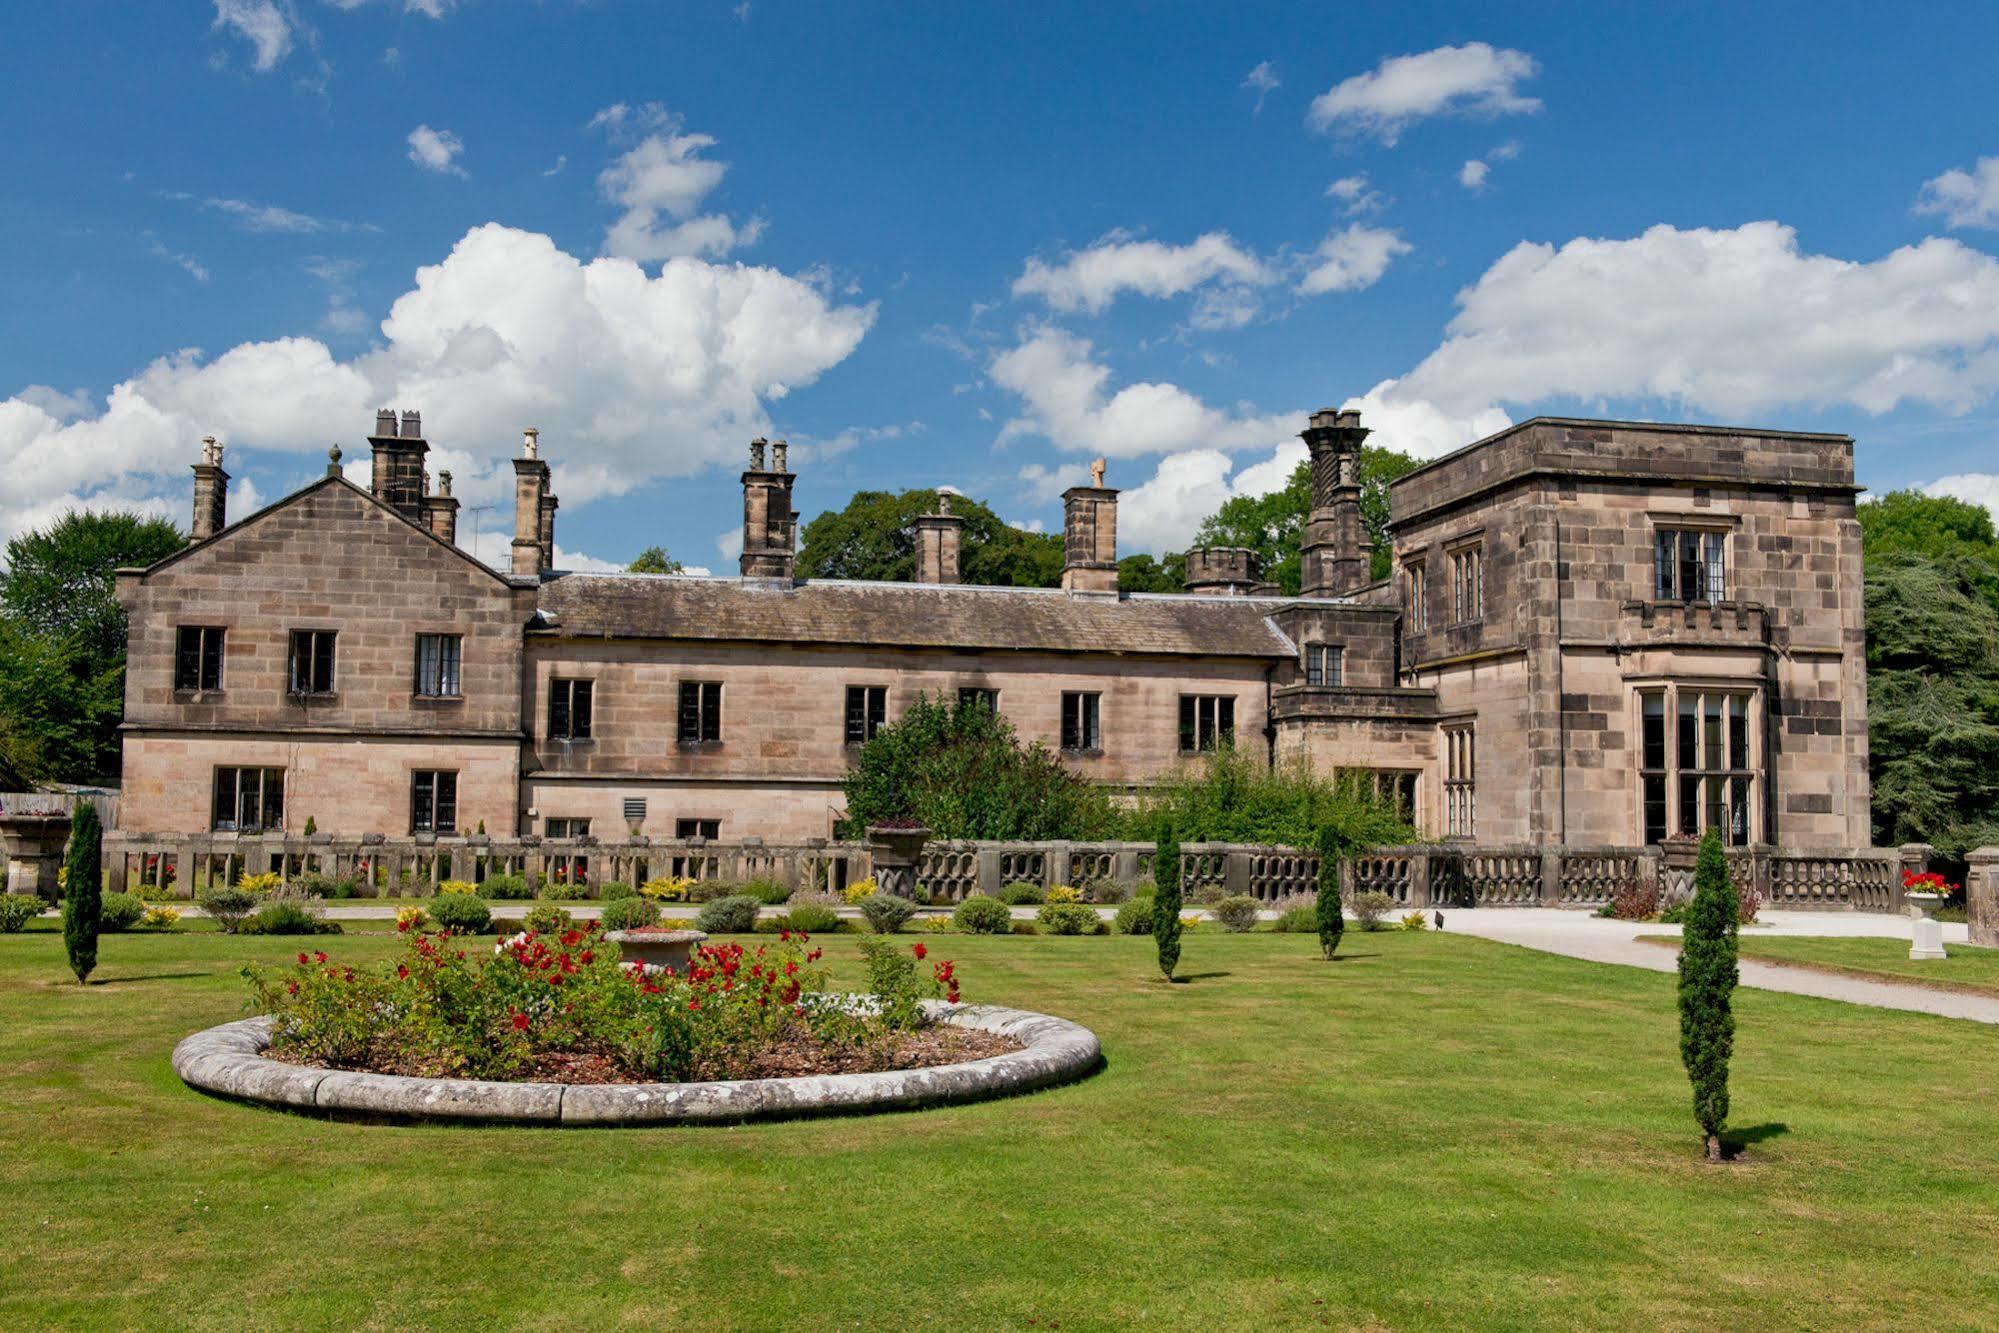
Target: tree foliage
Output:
[
  {"x": 1228, "y": 796},
  {"x": 961, "y": 769},
  {"x": 654, "y": 560},
  {"x": 1707, "y": 983},
  {"x": 59, "y": 579},
  {"x": 83, "y": 890},
  {"x": 1166, "y": 900},
  {"x": 1273, "y": 525},
  {"x": 1145, "y": 573},
  {"x": 872, "y": 538},
  {"x": 1332, "y": 921}
]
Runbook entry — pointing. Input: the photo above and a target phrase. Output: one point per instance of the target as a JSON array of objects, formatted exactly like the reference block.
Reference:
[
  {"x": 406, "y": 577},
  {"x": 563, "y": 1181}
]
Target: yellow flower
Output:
[
  {"x": 264, "y": 883},
  {"x": 860, "y": 889},
  {"x": 1063, "y": 893},
  {"x": 456, "y": 886},
  {"x": 667, "y": 890},
  {"x": 412, "y": 918},
  {"x": 160, "y": 917}
]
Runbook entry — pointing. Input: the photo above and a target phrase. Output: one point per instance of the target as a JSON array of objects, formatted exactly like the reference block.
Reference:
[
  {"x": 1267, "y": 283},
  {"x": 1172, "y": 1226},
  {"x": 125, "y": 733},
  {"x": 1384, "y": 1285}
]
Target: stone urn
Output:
[
  {"x": 657, "y": 946},
  {"x": 33, "y": 845},
  {"x": 896, "y": 849},
  {"x": 1926, "y": 934}
]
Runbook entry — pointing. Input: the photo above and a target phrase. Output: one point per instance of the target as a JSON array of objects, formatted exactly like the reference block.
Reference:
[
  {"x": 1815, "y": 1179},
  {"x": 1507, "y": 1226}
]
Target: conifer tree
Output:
[
  {"x": 1707, "y": 981},
  {"x": 83, "y": 890},
  {"x": 1332, "y": 921},
  {"x": 1166, "y": 901}
]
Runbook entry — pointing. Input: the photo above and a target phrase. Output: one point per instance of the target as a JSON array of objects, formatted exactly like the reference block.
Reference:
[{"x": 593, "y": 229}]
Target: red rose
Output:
[
  {"x": 520, "y": 1021},
  {"x": 918, "y": 950},
  {"x": 302, "y": 959},
  {"x": 316, "y": 953}
]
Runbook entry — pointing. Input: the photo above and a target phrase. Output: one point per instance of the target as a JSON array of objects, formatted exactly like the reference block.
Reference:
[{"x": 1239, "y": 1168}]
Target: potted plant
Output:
[{"x": 1925, "y": 891}]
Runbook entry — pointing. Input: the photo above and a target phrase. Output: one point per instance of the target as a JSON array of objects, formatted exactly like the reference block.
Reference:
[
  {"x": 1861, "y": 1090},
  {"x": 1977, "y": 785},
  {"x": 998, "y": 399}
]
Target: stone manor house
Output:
[{"x": 1595, "y": 633}]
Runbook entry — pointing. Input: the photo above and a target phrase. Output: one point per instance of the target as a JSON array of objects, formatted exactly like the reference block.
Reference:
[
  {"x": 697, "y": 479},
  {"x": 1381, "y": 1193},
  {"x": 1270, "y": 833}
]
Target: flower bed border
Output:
[{"x": 229, "y": 1061}]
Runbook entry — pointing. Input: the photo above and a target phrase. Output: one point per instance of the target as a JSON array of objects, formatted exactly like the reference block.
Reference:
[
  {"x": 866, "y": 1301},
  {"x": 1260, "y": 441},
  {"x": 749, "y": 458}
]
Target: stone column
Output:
[{"x": 1981, "y": 896}]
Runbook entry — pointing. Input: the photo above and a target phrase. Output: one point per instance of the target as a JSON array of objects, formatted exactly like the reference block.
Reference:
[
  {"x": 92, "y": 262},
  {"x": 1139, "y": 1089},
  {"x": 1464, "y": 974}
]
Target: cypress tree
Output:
[
  {"x": 1166, "y": 900},
  {"x": 1707, "y": 980},
  {"x": 1332, "y": 921},
  {"x": 83, "y": 890}
]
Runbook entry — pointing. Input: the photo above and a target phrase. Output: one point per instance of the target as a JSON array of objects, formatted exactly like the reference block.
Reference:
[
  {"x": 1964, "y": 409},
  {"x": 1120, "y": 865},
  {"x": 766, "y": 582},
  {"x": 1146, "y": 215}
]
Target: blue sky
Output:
[{"x": 973, "y": 246}]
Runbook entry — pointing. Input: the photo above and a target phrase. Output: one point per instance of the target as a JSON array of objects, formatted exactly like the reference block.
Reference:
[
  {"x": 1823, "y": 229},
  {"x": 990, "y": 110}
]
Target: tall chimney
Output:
[
  {"x": 1089, "y": 535},
  {"x": 1220, "y": 570},
  {"x": 530, "y": 490},
  {"x": 938, "y": 538},
  {"x": 1334, "y": 555},
  {"x": 769, "y": 526},
  {"x": 442, "y": 511},
  {"x": 211, "y": 492},
  {"x": 398, "y": 457}
]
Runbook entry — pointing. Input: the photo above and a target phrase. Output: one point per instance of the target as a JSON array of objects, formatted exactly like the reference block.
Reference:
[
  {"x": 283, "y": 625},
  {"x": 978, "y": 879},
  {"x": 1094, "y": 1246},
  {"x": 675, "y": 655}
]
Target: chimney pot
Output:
[
  {"x": 211, "y": 492},
  {"x": 530, "y": 442},
  {"x": 385, "y": 421},
  {"x": 412, "y": 425},
  {"x": 778, "y": 456},
  {"x": 444, "y": 482},
  {"x": 757, "y": 454}
]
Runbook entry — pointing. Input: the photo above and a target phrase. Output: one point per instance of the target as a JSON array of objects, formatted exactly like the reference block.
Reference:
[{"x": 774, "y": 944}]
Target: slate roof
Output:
[{"x": 909, "y": 615}]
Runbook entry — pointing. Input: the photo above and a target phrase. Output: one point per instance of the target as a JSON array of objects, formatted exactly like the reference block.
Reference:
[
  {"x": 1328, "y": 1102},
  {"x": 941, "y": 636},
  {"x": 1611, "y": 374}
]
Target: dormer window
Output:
[{"x": 1688, "y": 565}]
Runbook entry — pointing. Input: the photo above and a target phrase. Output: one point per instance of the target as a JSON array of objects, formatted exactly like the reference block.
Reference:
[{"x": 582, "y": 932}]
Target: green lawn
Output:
[
  {"x": 1436, "y": 1132},
  {"x": 1967, "y": 968}
]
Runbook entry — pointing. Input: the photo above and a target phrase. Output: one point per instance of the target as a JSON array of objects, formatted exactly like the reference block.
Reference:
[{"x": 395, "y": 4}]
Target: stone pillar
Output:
[
  {"x": 1981, "y": 896},
  {"x": 1334, "y": 550},
  {"x": 530, "y": 485},
  {"x": 1551, "y": 877},
  {"x": 1089, "y": 537},
  {"x": 211, "y": 492},
  {"x": 938, "y": 538}
]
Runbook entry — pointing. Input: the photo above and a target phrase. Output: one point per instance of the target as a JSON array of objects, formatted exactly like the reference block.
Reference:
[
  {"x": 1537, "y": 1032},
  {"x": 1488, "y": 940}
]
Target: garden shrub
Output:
[
  {"x": 1065, "y": 893},
  {"x": 982, "y": 915},
  {"x": 617, "y": 890},
  {"x": 733, "y": 915},
  {"x": 228, "y": 906},
  {"x": 886, "y": 914},
  {"x": 160, "y": 917},
  {"x": 1329, "y": 919},
  {"x": 609, "y": 891},
  {"x": 1134, "y": 917},
  {"x": 859, "y": 891},
  {"x": 287, "y": 917},
  {"x": 1022, "y": 895},
  {"x": 629, "y": 913},
  {"x": 934, "y": 925},
  {"x": 119, "y": 912},
  {"x": 503, "y": 889},
  {"x": 1108, "y": 892},
  {"x": 1166, "y": 922},
  {"x": 457, "y": 886},
  {"x": 816, "y": 918},
  {"x": 1369, "y": 908},
  {"x": 412, "y": 918},
  {"x": 1237, "y": 913},
  {"x": 1632, "y": 902},
  {"x": 1707, "y": 987},
  {"x": 709, "y": 890},
  {"x": 1232, "y": 796},
  {"x": 17, "y": 910},
  {"x": 1069, "y": 919},
  {"x": 268, "y": 882},
  {"x": 768, "y": 892},
  {"x": 1297, "y": 921},
  {"x": 1415, "y": 921},
  {"x": 315, "y": 885},
  {"x": 547, "y": 919},
  {"x": 465, "y": 913},
  {"x": 83, "y": 889}
]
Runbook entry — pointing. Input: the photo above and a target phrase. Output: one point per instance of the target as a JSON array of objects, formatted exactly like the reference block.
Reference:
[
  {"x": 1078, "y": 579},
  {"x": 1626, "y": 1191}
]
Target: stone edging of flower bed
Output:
[{"x": 229, "y": 1061}]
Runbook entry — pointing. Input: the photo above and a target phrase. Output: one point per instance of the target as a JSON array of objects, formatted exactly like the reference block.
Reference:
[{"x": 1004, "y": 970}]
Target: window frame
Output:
[
  {"x": 1419, "y": 580},
  {"x": 1326, "y": 664},
  {"x": 1207, "y": 722},
  {"x": 987, "y": 694},
  {"x": 707, "y": 714},
  {"x": 1460, "y": 779},
  {"x": 450, "y": 666},
  {"x": 1468, "y": 582},
  {"x": 266, "y": 803},
  {"x": 209, "y": 654},
  {"x": 568, "y": 826},
  {"x": 439, "y": 800},
  {"x": 324, "y": 651},
  {"x": 1705, "y": 565},
  {"x": 861, "y": 724},
  {"x": 1082, "y": 729},
  {"x": 680, "y": 833},
  {"x": 1705, "y": 775},
  {"x": 564, "y": 691}
]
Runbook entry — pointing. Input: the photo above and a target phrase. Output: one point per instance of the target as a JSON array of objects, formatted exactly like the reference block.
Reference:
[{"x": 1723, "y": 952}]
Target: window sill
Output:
[
  {"x": 572, "y": 740},
  {"x": 1086, "y": 752},
  {"x": 312, "y": 696},
  {"x": 182, "y": 696},
  {"x": 699, "y": 747},
  {"x": 436, "y": 700}
]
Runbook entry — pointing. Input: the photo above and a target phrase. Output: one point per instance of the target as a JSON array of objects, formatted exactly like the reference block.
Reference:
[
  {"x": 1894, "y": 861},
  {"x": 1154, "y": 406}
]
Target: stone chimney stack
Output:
[
  {"x": 1089, "y": 535},
  {"x": 1335, "y": 548},
  {"x": 442, "y": 511},
  {"x": 399, "y": 454},
  {"x": 770, "y": 527},
  {"x": 211, "y": 492},
  {"x": 534, "y": 510},
  {"x": 1221, "y": 571},
  {"x": 938, "y": 539}
]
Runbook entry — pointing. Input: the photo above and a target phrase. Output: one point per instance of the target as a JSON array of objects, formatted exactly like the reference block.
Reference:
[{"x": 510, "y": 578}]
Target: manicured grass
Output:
[
  {"x": 1434, "y": 1132},
  {"x": 1967, "y": 968}
]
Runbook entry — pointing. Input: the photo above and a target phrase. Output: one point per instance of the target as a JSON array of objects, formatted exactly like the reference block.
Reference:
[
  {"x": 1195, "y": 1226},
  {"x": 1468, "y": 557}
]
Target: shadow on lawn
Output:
[
  {"x": 1735, "y": 1142},
  {"x": 1181, "y": 979}
]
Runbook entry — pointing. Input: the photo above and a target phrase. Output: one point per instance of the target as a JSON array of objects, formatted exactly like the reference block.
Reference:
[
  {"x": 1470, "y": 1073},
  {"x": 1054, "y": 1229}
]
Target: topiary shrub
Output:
[
  {"x": 465, "y": 913},
  {"x": 1707, "y": 988},
  {"x": 119, "y": 912},
  {"x": 1069, "y": 919},
  {"x": 290, "y": 917},
  {"x": 1135, "y": 917},
  {"x": 1369, "y": 908},
  {"x": 814, "y": 918},
  {"x": 505, "y": 889},
  {"x": 226, "y": 905},
  {"x": 1237, "y": 913},
  {"x": 617, "y": 891},
  {"x": 17, "y": 910},
  {"x": 1166, "y": 923},
  {"x": 630, "y": 913},
  {"x": 1022, "y": 895},
  {"x": 886, "y": 914},
  {"x": 982, "y": 915},
  {"x": 1332, "y": 922},
  {"x": 733, "y": 915},
  {"x": 83, "y": 890},
  {"x": 547, "y": 919}
]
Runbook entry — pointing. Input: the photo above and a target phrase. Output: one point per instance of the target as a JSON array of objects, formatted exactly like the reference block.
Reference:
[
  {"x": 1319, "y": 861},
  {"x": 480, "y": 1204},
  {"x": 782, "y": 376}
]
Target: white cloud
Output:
[
  {"x": 1046, "y": 483},
  {"x": 1066, "y": 399},
  {"x": 1357, "y": 195},
  {"x": 1964, "y": 198},
  {"x": 1352, "y": 260},
  {"x": 561, "y": 161},
  {"x": 436, "y": 150},
  {"x": 264, "y": 24},
  {"x": 1473, "y": 79},
  {"x": 631, "y": 378},
  {"x": 1729, "y": 322},
  {"x": 742, "y": 12},
  {"x": 665, "y": 173},
  {"x": 1262, "y": 81},
  {"x": 192, "y": 266},
  {"x": 1472, "y": 175},
  {"x": 1979, "y": 488},
  {"x": 1090, "y": 279},
  {"x": 730, "y": 545}
]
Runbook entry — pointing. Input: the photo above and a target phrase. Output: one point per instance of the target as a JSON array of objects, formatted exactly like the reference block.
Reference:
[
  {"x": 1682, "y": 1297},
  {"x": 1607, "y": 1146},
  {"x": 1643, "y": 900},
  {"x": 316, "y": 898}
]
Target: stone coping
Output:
[{"x": 229, "y": 1061}]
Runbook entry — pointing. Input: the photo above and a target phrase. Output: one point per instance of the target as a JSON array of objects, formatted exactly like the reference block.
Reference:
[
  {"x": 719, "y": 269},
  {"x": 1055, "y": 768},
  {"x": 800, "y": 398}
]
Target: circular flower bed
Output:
[{"x": 558, "y": 1030}]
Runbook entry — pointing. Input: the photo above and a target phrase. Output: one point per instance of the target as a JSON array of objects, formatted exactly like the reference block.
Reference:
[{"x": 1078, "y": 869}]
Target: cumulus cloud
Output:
[
  {"x": 1066, "y": 399},
  {"x": 1358, "y": 196},
  {"x": 1262, "y": 81},
  {"x": 631, "y": 378},
  {"x": 1979, "y": 488},
  {"x": 1472, "y": 175},
  {"x": 664, "y": 173},
  {"x": 1474, "y": 79},
  {"x": 436, "y": 150},
  {"x": 1964, "y": 198},
  {"x": 1091, "y": 278},
  {"x": 265, "y": 24},
  {"x": 1724, "y": 321},
  {"x": 1351, "y": 260}
]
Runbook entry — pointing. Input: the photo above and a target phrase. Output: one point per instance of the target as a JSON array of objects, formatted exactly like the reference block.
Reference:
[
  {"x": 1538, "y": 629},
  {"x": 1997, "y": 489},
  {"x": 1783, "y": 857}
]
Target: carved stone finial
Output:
[
  {"x": 444, "y": 483},
  {"x": 530, "y": 443},
  {"x": 333, "y": 461},
  {"x": 211, "y": 452},
  {"x": 943, "y": 501},
  {"x": 1097, "y": 472}
]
